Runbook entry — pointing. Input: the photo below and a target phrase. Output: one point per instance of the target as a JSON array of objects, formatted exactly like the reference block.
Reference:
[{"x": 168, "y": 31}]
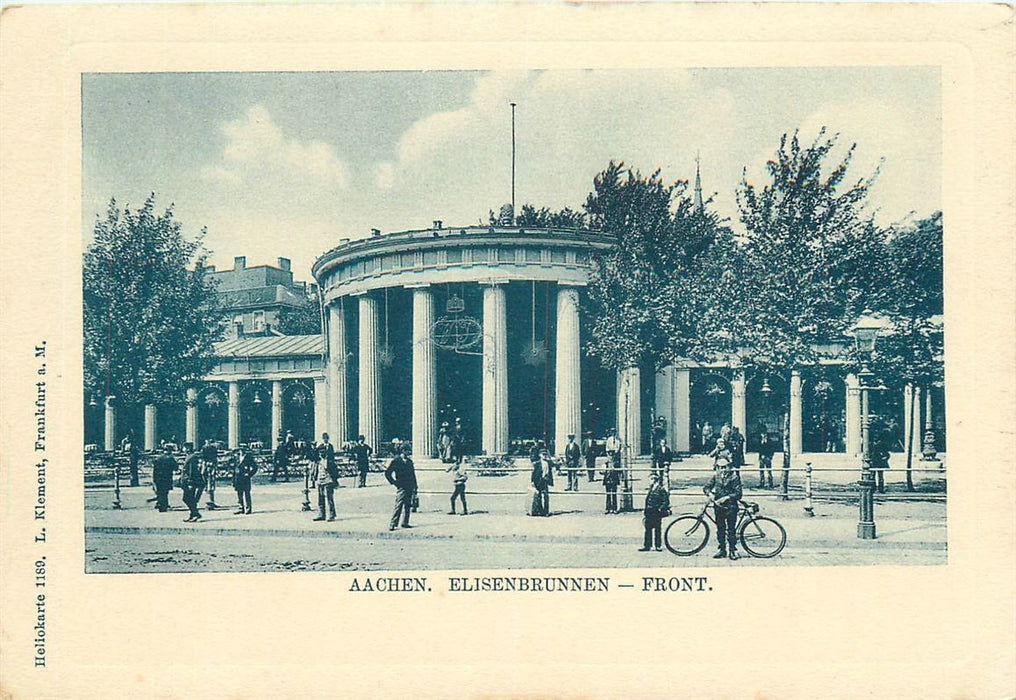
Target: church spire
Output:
[{"x": 698, "y": 185}]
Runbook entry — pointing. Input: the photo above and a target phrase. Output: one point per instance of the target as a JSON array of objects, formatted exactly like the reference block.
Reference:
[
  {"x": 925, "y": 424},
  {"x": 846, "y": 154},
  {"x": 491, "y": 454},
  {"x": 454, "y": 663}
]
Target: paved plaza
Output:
[{"x": 497, "y": 533}]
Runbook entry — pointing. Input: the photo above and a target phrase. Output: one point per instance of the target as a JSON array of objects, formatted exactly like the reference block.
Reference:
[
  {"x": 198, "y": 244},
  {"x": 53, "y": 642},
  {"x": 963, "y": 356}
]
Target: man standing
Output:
[
  {"x": 192, "y": 481},
  {"x": 281, "y": 460},
  {"x": 589, "y": 452},
  {"x": 401, "y": 474},
  {"x": 133, "y": 453},
  {"x": 326, "y": 476},
  {"x": 611, "y": 480},
  {"x": 572, "y": 457},
  {"x": 724, "y": 488},
  {"x": 613, "y": 446},
  {"x": 210, "y": 464},
  {"x": 162, "y": 477},
  {"x": 361, "y": 453},
  {"x": 737, "y": 447},
  {"x": 766, "y": 450},
  {"x": 543, "y": 479},
  {"x": 662, "y": 458},
  {"x": 243, "y": 473},
  {"x": 657, "y": 506}
]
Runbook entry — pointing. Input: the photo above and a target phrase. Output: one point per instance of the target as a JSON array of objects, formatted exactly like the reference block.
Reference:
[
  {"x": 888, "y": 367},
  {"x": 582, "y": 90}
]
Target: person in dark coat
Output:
[
  {"x": 766, "y": 450},
  {"x": 361, "y": 453},
  {"x": 192, "y": 481},
  {"x": 133, "y": 452},
  {"x": 542, "y": 479},
  {"x": 663, "y": 456},
  {"x": 737, "y": 447},
  {"x": 880, "y": 459},
  {"x": 243, "y": 473},
  {"x": 724, "y": 489},
  {"x": 402, "y": 475},
  {"x": 611, "y": 480},
  {"x": 162, "y": 477},
  {"x": 326, "y": 476},
  {"x": 572, "y": 458},
  {"x": 657, "y": 506},
  {"x": 589, "y": 453},
  {"x": 281, "y": 461}
]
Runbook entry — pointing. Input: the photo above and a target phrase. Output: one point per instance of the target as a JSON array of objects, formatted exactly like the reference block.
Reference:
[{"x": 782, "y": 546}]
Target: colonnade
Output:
[{"x": 494, "y": 419}]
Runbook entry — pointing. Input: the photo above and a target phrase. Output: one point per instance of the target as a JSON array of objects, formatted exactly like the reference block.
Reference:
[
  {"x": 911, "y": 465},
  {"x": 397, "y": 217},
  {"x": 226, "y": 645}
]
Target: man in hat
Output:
[
  {"x": 162, "y": 477},
  {"x": 361, "y": 453},
  {"x": 402, "y": 475},
  {"x": 657, "y": 506},
  {"x": 572, "y": 457},
  {"x": 589, "y": 452},
  {"x": 543, "y": 479},
  {"x": 724, "y": 489},
  {"x": 192, "y": 481}
]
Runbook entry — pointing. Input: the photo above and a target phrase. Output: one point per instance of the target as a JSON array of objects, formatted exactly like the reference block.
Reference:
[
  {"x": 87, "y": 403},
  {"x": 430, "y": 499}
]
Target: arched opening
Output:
[
  {"x": 710, "y": 408},
  {"x": 824, "y": 412},
  {"x": 767, "y": 395},
  {"x": 256, "y": 414},
  {"x": 298, "y": 411},
  {"x": 213, "y": 415}
]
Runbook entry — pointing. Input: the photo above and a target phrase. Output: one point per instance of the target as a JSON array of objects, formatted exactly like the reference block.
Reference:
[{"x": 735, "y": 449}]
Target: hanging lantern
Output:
[
  {"x": 535, "y": 353},
  {"x": 257, "y": 397},
  {"x": 766, "y": 389},
  {"x": 455, "y": 305}
]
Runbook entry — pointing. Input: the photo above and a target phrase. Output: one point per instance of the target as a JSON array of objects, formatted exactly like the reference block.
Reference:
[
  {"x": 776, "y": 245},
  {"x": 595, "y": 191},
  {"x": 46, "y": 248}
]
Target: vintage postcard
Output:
[{"x": 522, "y": 331}]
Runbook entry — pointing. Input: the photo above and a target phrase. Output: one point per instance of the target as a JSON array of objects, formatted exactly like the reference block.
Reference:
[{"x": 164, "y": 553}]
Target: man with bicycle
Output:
[{"x": 724, "y": 489}]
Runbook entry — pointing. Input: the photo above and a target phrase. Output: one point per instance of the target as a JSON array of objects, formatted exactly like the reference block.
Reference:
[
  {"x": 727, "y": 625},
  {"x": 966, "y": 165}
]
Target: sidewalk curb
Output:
[{"x": 543, "y": 539}]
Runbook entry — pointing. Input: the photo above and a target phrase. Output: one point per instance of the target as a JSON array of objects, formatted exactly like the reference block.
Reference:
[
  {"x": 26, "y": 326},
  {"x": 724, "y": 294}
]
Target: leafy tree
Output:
[
  {"x": 543, "y": 217},
  {"x": 913, "y": 301},
  {"x": 648, "y": 293},
  {"x": 150, "y": 311},
  {"x": 300, "y": 320},
  {"x": 811, "y": 261}
]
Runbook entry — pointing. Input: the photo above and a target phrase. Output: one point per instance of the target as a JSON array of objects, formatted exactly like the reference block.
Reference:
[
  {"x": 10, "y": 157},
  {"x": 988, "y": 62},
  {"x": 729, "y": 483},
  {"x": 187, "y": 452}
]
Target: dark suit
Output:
[
  {"x": 657, "y": 505},
  {"x": 242, "y": 475},
  {"x": 543, "y": 479},
  {"x": 281, "y": 461},
  {"x": 572, "y": 458},
  {"x": 611, "y": 479},
  {"x": 401, "y": 474},
  {"x": 361, "y": 452},
  {"x": 662, "y": 458},
  {"x": 192, "y": 481},
  {"x": 162, "y": 478},
  {"x": 725, "y": 485}
]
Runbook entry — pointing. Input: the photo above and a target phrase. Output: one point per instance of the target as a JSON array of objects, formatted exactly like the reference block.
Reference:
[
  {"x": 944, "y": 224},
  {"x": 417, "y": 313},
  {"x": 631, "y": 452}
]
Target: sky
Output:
[{"x": 289, "y": 164}]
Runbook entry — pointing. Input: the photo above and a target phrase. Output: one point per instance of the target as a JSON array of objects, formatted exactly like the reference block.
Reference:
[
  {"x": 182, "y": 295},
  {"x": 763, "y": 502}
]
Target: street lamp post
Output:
[{"x": 865, "y": 333}]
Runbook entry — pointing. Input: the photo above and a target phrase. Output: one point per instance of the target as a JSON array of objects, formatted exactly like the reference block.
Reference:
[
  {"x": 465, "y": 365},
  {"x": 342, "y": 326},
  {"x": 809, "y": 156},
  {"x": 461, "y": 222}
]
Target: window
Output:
[
  {"x": 259, "y": 321},
  {"x": 454, "y": 256},
  {"x": 532, "y": 255},
  {"x": 505, "y": 254},
  {"x": 557, "y": 256},
  {"x": 429, "y": 258}
]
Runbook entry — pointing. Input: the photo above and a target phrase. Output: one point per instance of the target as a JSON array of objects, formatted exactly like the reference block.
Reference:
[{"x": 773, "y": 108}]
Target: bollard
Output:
[
  {"x": 116, "y": 486},
  {"x": 808, "y": 506},
  {"x": 306, "y": 488},
  {"x": 786, "y": 477}
]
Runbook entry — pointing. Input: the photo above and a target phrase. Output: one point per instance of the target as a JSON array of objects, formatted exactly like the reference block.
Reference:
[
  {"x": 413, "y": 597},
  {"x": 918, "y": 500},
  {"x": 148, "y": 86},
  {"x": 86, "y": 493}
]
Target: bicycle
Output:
[{"x": 759, "y": 536}]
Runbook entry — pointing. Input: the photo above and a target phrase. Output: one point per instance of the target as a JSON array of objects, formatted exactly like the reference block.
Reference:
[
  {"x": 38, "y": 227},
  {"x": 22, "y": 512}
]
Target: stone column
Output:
[
  {"x": 852, "y": 436},
  {"x": 738, "y": 410},
  {"x": 151, "y": 427},
  {"x": 320, "y": 409},
  {"x": 568, "y": 379},
  {"x": 191, "y": 421},
  {"x": 495, "y": 370},
  {"x": 109, "y": 443},
  {"x": 424, "y": 375},
  {"x": 276, "y": 412},
  {"x": 682, "y": 410},
  {"x": 912, "y": 408},
  {"x": 233, "y": 424},
  {"x": 796, "y": 432},
  {"x": 629, "y": 410},
  {"x": 335, "y": 402},
  {"x": 369, "y": 423},
  {"x": 664, "y": 401}
]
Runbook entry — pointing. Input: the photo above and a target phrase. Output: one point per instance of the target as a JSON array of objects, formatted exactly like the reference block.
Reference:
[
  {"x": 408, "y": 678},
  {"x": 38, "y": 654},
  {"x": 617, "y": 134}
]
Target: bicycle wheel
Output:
[
  {"x": 762, "y": 537},
  {"x": 686, "y": 535}
]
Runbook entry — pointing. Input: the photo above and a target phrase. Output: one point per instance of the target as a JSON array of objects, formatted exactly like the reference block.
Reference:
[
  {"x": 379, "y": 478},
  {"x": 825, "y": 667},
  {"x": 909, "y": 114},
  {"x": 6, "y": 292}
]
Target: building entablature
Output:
[{"x": 472, "y": 254}]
